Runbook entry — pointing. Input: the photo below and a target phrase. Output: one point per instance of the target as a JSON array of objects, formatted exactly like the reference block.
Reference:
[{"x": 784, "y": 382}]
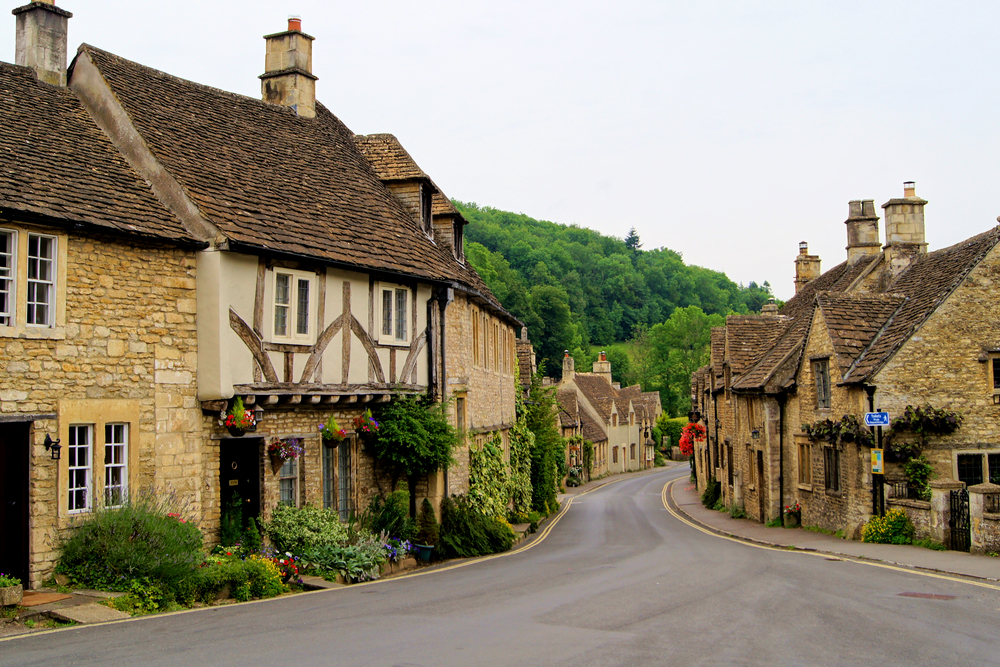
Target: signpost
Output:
[
  {"x": 877, "y": 468},
  {"x": 876, "y": 418}
]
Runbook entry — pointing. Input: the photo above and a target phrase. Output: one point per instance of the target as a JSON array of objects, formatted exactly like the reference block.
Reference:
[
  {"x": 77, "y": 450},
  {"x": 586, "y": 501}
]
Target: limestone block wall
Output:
[
  {"x": 919, "y": 512},
  {"x": 947, "y": 363},
  {"x": 126, "y": 354}
]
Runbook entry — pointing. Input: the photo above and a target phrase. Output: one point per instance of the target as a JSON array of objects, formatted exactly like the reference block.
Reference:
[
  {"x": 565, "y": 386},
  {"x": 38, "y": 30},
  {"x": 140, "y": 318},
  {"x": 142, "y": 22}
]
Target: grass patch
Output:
[
  {"x": 775, "y": 523},
  {"x": 825, "y": 531},
  {"x": 928, "y": 543},
  {"x": 737, "y": 512}
]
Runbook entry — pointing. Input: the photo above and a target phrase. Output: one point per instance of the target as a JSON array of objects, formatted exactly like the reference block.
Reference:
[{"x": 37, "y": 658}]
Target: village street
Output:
[{"x": 617, "y": 581}]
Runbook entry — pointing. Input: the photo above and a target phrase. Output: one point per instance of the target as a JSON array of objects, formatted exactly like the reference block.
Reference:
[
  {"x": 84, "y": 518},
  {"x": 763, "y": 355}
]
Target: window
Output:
[
  {"x": 458, "y": 229},
  {"x": 7, "y": 269},
  {"x": 821, "y": 374},
  {"x": 460, "y": 413},
  {"x": 329, "y": 464},
  {"x": 41, "y": 280},
  {"x": 395, "y": 319},
  {"x": 475, "y": 337},
  {"x": 288, "y": 481},
  {"x": 614, "y": 420},
  {"x": 752, "y": 477},
  {"x": 426, "y": 202},
  {"x": 831, "y": 459},
  {"x": 972, "y": 466},
  {"x": 805, "y": 463},
  {"x": 631, "y": 451},
  {"x": 80, "y": 465},
  {"x": 115, "y": 464},
  {"x": 345, "y": 489},
  {"x": 614, "y": 454},
  {"x": 293, "y": 308}
]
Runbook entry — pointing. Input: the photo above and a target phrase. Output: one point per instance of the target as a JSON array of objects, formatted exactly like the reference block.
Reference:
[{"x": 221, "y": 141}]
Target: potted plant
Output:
[
  {"x": 365, "y": 426},
  {"x": 427, "y": 531},
  {"x": 331, "y": 433},
  {"x": 793, "y": 516},
  {"x": 283, "y": 449},
  {"x": 239, "y": 420},
  {"x": 11, "y": 590}
]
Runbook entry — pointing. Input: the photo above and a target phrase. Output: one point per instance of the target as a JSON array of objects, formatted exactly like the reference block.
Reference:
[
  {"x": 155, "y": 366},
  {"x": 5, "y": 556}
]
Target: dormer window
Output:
[{"x": 458, "y": 230}]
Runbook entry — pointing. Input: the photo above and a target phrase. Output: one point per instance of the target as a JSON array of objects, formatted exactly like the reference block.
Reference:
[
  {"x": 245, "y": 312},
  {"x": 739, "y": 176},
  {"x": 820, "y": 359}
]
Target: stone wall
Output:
[
  {"x": 919, "y": 512},
  {"x": 126, "y": 354}
]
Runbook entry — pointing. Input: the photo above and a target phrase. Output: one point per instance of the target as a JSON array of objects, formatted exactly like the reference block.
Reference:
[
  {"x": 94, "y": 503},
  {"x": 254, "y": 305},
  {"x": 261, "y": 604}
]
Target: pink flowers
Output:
[{"x": 175, "y": 515}]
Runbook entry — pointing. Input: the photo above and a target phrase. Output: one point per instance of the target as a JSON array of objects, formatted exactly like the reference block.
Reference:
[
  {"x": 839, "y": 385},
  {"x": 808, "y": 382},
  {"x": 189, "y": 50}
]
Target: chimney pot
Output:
[
  {"x": 909, "y": 189},
  {"x": 803, "y": 248},
  {"x": 295, "y": 22}
]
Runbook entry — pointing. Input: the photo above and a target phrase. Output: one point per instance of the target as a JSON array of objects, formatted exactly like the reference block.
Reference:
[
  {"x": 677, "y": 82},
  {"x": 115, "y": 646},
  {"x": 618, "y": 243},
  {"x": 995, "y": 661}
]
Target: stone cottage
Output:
[
  {"x": 166, "y": 247},
  {"x": 891, "y": 326}
]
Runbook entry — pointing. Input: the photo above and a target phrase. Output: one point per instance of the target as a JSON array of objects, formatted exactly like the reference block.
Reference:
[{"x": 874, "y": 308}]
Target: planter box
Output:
[
  {"x": 11, "y": 595},
  {"x": 792, "y": 521}
]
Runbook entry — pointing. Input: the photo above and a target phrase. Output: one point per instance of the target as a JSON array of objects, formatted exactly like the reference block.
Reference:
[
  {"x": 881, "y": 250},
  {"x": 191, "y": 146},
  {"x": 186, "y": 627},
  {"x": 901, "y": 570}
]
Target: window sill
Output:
[
  {"x": 804, "y": 487},
  {"x": 34, "y": 333},
  {"x": 386, "y": 342},
  {"x": 834, "y": 494}
]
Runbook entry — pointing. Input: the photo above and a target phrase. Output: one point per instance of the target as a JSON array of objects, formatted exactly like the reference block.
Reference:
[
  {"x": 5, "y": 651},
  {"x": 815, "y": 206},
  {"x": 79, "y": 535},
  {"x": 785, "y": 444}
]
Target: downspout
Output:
[{"x": 443, "y": 303}]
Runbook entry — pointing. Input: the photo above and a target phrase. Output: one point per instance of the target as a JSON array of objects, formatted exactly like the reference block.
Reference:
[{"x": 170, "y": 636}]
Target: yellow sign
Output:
[{"x": 877, "y": 462}]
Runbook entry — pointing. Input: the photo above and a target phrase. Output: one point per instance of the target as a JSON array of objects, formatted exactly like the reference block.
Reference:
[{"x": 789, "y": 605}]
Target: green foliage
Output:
[
  {"x": 427, "y": 526},
  {"x": 144, "y": 596},
  {"x": 574, "y": 287},
  {"x": 671, "y": 427},
  {"x": 848, "y": 429},
  {"x": 928, "y": 543},
  {"x": 489, "y": 478},
  {"x": 588, "y": 457},
  {"x": 415, "y": 438},
  {"x": 918, "y": 472},
  {"x": 776, "y": 522},
  {"x": 922, "y": 421},
  {"x": 142, "y": 538},
  {"x": 297, "y": 529},
  {"x": 736, "y": 512},
  {"x": 549, "y": 447},
  {"x": 390, "y": 515},
  {"x": 466, "y": 533},
  {"x": 8, "y": 580},
  {"x": 893, "y": 528},
  {"x": 522, "y": 442},
  {"x": 361, "y": 560},
  {"x": 710, "y": 496},
  {"x": 231, "y": 526},
  {"x": 251, "y": 537}
]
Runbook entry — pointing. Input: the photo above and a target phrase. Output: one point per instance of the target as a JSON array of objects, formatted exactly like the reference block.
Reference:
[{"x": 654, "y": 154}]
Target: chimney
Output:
[
  {"x": 602, "y": 367},
  {"x": 862, "y": 230},
  {"x": 569, "y": 364},
  {"x": 806, "y": 267},
  {"x": 40, "y": 42},
  {"x": 524, "y": 334},
  {"x": 904, "y": 229},
  {"x": 769, "y": 308},
  {"x": 288, "y": 79}
]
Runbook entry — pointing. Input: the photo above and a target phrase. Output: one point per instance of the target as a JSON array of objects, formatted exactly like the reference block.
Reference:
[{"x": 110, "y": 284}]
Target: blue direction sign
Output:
[{"x": 877, "y": 418}]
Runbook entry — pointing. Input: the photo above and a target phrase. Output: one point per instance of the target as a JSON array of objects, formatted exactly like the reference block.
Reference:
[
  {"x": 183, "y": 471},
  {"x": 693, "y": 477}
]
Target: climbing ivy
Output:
[
  {"x": 922, "y": 421},
  {"x": 848, "y": 429},
  {"x": 489, "y": 479}
]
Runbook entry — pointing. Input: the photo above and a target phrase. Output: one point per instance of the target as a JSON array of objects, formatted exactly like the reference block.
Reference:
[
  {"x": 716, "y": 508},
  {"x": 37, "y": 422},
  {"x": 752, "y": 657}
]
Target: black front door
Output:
[
  {"x": 14, "y": 448},
  {"x": 240, "y": 471}
]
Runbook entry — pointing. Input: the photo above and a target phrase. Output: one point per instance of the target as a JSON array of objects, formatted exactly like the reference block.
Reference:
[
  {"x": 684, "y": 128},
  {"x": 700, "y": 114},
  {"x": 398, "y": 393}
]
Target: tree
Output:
[
  {"x": 681, "y": 346},
  {"x": 632, "y": 240},
  {"x": 548, "y": 448},
  {"x": 415, "y": 438}
]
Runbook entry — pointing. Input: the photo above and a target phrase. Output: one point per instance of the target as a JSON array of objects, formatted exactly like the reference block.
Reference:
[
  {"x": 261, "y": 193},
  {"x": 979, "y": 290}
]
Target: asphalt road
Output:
[{"x": 618, "y": 581}]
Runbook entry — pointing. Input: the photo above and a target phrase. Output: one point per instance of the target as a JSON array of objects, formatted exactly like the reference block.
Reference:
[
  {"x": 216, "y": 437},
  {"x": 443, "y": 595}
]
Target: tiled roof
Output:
[
  {"x": 269, "y": 179},
  {"x": 749, "y": 336},
  {"x": 55, "y": 162},
  {"x": 790, "y": 343},
  {"x": 441, "y": 205},
  {"x": 388, "y": 157},
  {"x": 926, "y": 284},
  {"x": 590, "y": 429},
  {"x": 837, "y": 279},
  {"x": 597, "y": 390},
  {"x": 568, "y": 408},
  {"x": 718, "y": 351},
  {"x": 853, "y": 319}
]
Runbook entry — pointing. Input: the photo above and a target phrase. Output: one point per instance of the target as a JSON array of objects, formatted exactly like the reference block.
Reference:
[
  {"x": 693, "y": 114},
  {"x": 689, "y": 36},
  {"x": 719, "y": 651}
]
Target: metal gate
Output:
[{"x": 958, "y": 521}]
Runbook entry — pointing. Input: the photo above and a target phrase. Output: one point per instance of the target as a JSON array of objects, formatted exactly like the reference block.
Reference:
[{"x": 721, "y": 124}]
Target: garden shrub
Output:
[
  {"x": 466, "y": 533},
  {"x": 390, "y": 515},
  {"x": 231, "y": 524},
  {"x": 144, "y": 596},
  {"x": 893, "y": 528},
  {"x": 255, "y": 577},
  {"x": 710, "y": 496},
  {"x": 297, "y": 529},
  {"x": 251, "y": 536},
  {"x": 359, "y": 561},
  {"x": 428, "y": 531},
  {"x": 140, "y": 539}
]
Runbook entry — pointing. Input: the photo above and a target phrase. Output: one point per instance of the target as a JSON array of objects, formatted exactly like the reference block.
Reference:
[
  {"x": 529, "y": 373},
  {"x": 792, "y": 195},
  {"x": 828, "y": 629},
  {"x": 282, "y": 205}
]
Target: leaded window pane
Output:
[
  {"x": 302, "y": 316},
  {"x": 401, "y": 314},
  {"x": 282, "y": 298}
]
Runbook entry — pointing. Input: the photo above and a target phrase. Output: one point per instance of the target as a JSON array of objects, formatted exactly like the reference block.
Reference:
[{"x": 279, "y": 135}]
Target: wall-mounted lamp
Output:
[
  {"x": 52, "y": 446},
  {"x": 258, "y": 416},
  {"x": 755, "y": 434}
]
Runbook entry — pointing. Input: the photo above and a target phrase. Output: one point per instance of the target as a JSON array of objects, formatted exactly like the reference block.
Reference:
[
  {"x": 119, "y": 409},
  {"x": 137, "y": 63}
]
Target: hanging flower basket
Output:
[
  {"x": 282, "y": 449},
  {"x": 331, "y": 433},
  {"x": 238, "y": 420},
  {"x": 365, "y": 426}
]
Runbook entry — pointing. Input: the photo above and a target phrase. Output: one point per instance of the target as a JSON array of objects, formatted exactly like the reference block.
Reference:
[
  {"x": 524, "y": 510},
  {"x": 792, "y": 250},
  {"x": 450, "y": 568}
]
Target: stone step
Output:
[{"x": 91, "y": 612}]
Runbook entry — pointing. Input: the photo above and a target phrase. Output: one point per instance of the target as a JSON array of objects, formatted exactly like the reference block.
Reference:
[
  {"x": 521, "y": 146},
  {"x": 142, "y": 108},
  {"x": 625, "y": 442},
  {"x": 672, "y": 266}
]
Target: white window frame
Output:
[
  {"x": 47, "y": 285},
  {"x": 289, "y": 476},
  {"x": 400, "y": 329},
  {"x": 80, "y": 478},
  {"x": 294, "y": 309},
  {"x": 115, "y": 459},
  {"x": 8, "y": 278}
]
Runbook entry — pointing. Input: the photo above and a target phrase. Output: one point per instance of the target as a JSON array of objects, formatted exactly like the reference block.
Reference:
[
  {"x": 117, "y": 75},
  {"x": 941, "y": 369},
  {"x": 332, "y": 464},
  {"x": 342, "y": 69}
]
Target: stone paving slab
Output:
[
  {"x": 34, "y": 599},
  {"x": 311, "y": 583},
  {"x": 91, "y": 612}
]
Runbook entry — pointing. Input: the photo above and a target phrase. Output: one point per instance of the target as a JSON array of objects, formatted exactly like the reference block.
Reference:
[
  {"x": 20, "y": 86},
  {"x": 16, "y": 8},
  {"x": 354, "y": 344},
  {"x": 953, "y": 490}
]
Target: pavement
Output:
[{"x": 686, "y": 500}]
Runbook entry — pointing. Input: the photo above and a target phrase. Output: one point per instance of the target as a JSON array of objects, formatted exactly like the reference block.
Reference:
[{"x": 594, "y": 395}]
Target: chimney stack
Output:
[
  {"x": 862, "y": 230},
  {"x": 40, "y": 40},
  {"x": 806, "y": 267},
  {"x": 602, "y": 367},
  {"x": 769, "y": 308},
  {"x": 904, "y": 229},
  {"x": 569, "y": 366},
  {"x": 288, "y": 79}
]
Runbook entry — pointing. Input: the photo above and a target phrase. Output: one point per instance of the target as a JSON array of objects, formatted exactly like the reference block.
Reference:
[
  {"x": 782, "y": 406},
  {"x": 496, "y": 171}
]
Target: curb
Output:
[{"x": 791, "y": 547}]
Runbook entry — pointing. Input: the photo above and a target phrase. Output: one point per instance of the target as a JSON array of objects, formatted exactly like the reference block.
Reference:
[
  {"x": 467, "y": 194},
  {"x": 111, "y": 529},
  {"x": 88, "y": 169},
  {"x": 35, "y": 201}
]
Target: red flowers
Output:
[{"x": 689, "y": 434}]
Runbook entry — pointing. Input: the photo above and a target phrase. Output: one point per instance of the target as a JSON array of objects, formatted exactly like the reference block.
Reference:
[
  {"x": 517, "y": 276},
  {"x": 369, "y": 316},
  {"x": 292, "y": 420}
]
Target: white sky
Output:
[{"x": 727, "y": 131}]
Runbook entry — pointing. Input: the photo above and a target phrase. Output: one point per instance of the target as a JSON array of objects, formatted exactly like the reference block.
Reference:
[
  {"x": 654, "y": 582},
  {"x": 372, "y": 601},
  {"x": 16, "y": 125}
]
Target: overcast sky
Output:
[{"x": 727, "y": 131}]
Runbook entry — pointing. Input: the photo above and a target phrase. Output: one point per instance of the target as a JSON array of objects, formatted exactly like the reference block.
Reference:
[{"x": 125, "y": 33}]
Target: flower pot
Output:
[
  {"x": 792, "y": 520},
  {"x": 424, "y": 551},
  {"x": 331, "y": 442},
  {"x": 11, "y": 595},
  {"x": 276, "y": 463},
  {"x": 236, "y": 432}
]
